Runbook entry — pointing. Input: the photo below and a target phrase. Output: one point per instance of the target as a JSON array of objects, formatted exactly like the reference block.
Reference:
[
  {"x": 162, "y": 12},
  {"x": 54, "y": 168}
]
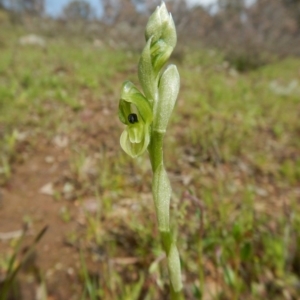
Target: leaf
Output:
[
  {"x": 246, "y": 251},
  {"x": 174, "y": 268},
  {"x": 168, "y": 92},
  {"x": 162, "y": 193}
]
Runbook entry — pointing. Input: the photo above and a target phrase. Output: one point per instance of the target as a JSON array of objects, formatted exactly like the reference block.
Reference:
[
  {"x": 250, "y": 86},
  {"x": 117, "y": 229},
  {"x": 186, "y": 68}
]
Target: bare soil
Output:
[
  {"x": 22, "y": 201},
  {"x": 29, "y": 198}
]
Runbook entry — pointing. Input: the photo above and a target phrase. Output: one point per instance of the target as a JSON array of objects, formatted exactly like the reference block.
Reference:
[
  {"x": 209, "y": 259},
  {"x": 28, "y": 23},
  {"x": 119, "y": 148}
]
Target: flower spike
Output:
[{"x": 146, "y": 117}]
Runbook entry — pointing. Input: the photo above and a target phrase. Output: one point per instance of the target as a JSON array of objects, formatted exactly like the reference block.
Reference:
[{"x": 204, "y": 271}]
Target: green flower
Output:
[
  {"x": 146, "y": 117},
  {"x": 161, "y": 39},
  {"x": 134, "y": 111}
]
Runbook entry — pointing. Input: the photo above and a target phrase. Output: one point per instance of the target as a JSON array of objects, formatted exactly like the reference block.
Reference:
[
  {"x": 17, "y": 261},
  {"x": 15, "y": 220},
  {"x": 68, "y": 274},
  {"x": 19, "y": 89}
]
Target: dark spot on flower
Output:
[{"x": 132, "y": 118}]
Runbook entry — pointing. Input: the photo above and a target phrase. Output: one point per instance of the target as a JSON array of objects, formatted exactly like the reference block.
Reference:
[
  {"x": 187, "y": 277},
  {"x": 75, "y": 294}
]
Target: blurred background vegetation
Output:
[
  {"x": 233, "y": 152},
  {"x": 251, "y": 33}
]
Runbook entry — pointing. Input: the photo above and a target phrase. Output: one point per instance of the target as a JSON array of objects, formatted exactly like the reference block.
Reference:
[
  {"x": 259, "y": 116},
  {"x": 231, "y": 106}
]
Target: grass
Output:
[{"x": 233, "y": 158}]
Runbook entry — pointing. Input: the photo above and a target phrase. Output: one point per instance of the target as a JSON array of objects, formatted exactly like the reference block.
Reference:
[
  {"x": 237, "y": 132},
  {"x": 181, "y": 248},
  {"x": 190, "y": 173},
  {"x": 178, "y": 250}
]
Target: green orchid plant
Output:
[{"x": 146, "y": 116}]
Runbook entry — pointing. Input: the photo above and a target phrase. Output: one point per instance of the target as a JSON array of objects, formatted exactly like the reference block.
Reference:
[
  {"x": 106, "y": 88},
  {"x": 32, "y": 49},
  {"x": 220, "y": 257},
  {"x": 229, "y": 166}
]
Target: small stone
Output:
[
  {"x": 47, "y": 189},
  {"x": 70, "y": 271},
  {"x": 49, "y": 159},
  {"x": 61, "y": 141},
  {"x": 91, "y": 205},
  {"x": 68, "y": 188},
  {"x": 261, "y": 192},
  {"x": 32, "y": 40}
]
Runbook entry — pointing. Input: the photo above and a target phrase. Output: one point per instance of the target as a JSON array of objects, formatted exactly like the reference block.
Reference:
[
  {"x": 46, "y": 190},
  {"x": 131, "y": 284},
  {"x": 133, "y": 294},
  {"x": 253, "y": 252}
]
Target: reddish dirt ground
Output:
[{"x": 22, "y": 198}]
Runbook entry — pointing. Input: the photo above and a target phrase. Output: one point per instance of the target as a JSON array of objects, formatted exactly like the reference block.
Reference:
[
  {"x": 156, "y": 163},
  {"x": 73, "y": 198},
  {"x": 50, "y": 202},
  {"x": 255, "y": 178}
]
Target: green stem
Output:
[
  {"x": 200, "y": 263},
  {"x": 166, "y": 239},
  {"x": 156, "y": 157},
  {"x": 156, "y": 149}
]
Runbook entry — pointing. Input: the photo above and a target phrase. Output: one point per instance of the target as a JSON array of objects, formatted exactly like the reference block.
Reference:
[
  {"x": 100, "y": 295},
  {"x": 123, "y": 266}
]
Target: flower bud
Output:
[
  {"x": 146, "y": 73},
  {"x": 161, "y": 26},
  {"x": 160, "y": 53}
]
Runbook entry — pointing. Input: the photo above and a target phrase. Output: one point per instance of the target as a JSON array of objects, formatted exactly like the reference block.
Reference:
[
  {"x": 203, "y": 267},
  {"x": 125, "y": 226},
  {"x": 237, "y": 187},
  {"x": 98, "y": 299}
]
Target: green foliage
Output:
[{"x": 8, "y": 284}]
